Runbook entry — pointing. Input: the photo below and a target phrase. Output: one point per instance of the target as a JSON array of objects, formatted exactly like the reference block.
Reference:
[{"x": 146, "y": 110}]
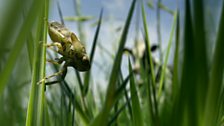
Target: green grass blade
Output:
[
  {"x": 176, "y": 59},
  {"x": 43, "y": 67},
  {"x": 201, "y": 59},
  {"x": 101, "y": 119},
  {"x": 148, "y": 46},
  {"x": 60, "y": 13},
  {"x": 30, "y": 48},
  {"x": 20, "y": 40},
  {"x": 35, "y": 65},
  {"x": 136, "y": 109},
  {"x": 121, "y": 88},
  {"x": 78, "y": 18},
  {"x": 216, "y": 80},
  {"x": 167, "y": 54},
  {"x": 184, "y": 110},
  {"x": 87, "y": 76},
  {"x": 10, "y": 22},
  {"x": 152, "y": 73},
  {"x": 77, "y": 6},
  {"x": 165, "y": 8}
]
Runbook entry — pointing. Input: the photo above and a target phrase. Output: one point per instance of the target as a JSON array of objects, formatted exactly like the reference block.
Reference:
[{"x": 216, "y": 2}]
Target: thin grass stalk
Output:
[
  {"x": 101, "y": 119},
  {"x": 60, "y": 13},
  {"x": 43, "y": 66},
  {"x": 150, "y": 61},
  {"x": 146, "y": 79},
  {"x": 148, "y": 46},
  {"x": 136, "y": 108},
  {"x": 30, "y": 108},
  {"x": 167, "y": 54},
  {"x": 158, "y": 30},
  {"x": 87, "y": 75},
  {"x": 126, "y": 92},
  {"x": 77, "y": 6},
  {"x": 176, "y": 59}
]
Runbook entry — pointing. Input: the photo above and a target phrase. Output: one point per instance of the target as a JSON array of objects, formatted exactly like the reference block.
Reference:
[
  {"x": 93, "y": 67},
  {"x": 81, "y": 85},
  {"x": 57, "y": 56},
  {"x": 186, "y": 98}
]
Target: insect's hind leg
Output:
[
  {"x": 61, "y": 72},
  {"x": 61, "y": 78}
]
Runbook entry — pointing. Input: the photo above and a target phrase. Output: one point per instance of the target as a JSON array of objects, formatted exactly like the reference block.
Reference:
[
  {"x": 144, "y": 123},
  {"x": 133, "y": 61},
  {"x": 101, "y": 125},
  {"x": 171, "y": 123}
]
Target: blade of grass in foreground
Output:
[
  {"x": 136, "y": 109},
  {"x": 30, "y": 110},
  {"x": 150, "y": 61},
  {"x": 167, "y": 54},
  {"x": 148, "y": 46},
  {"x": 20, "y": 40},
  {"x": 216, "y": 80},
  {"x": 35, "y": 65},
  {"x": 176, "y": 59},
  {"x": 43, "y": 67},
  {"x": 102, "y": 117},
  {"x": 201, "y": 61},
  {"x": 184, "y": 109}
]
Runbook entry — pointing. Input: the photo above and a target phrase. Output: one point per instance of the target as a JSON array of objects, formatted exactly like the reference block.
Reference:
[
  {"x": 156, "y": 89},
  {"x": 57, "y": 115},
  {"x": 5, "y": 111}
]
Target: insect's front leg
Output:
[
  {"x": 59, "y": 46},
  {"x": 54, "y": 44},
  {"x": 57, "y": 61}
]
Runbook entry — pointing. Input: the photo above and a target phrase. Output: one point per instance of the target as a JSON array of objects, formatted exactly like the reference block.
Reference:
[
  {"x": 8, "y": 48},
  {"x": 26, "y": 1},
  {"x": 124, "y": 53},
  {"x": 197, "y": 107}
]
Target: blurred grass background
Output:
[{"x": 140, "y": 90}]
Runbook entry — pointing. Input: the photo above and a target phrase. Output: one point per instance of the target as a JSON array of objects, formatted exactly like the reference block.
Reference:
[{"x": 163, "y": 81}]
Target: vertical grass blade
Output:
[
  {"x": 35, "y": 65},
  {"x": 136, "y": 109},
  {"x": 43, "y": 67},
  {"x": 87, "y": 76},
  {"x": 216, "y": 79},
  {"x": 167, "y": 54},
  {"x": 79, "y": 23},
  {"x": 184, "y": 109},
  {"x": 152, "y": 73},
  {"x": 101, "y": 119},
  {"x": 176, "y": 59},
  {"x": 20, "y": 40},
  {"x": 201, "y": 61},
  {"x": 12, "y": 15},
  {"x": 148, "y": 46}
]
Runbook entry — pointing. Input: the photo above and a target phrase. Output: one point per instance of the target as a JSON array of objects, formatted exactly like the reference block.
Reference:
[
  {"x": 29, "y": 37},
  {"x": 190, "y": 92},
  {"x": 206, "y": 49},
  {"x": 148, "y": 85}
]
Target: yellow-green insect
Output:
[{"x": 68, "y": 45}]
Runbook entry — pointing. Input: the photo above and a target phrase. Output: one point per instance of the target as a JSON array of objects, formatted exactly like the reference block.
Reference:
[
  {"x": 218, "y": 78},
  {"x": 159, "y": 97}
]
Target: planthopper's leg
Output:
[
  {"x": 60, "y": 78},
  {"x": 60, "y": 49},
  {"x": 57, "y": 61},
  {"x": 61, "y": 72}
]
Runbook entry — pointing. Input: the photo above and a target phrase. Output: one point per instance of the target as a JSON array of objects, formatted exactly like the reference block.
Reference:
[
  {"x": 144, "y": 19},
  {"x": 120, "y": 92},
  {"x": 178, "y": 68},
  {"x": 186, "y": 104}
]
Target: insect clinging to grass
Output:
[{"x": 68, "y": 45}]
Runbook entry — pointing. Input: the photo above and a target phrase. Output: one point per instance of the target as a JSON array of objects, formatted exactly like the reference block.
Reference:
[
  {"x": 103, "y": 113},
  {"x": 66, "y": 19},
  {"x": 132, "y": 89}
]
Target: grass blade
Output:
[
  {"x": 152, "y": 73},
  {"x": 184, "y": 109},
  {"x": 87, "y": 76},
  {"x": 43, "y": 67},
  {"x": 216, "y": 80},
  {"x": 167, "y": 54},
  {"x": 201, "y": 60},
  {"x": 101, "y": 119},
  {"x": 148, "y": 46},
  {"x": 136, "y": 109},
  {"x": 20, "y": 40}
]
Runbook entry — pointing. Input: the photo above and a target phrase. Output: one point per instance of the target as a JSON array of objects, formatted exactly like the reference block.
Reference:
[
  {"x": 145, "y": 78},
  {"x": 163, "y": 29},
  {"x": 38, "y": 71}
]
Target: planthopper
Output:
[{"x": 72, "y": 51}]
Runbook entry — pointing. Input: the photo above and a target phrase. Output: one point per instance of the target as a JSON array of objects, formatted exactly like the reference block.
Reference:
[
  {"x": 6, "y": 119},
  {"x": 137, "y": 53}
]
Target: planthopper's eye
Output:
[{"x": 85, "y": 59}]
